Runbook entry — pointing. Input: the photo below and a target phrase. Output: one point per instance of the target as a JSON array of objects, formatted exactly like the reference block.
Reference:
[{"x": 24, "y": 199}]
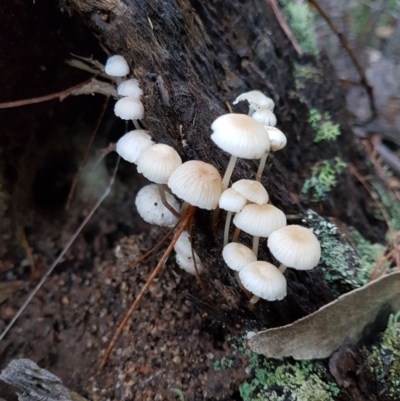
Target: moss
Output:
[
  {"x": 325, "y": 129},
  {"x": 223, "y": 364},
  {"x": 323, "y": 178},
  {"x": 304, "y": 73},
  {"x": 345, "y": 265},
  {"x": 390, "y": 204},
  {"x": 384, "y": 360},
  {"x": 301, "y": 21},
  {"x": 281, "y": 380}
]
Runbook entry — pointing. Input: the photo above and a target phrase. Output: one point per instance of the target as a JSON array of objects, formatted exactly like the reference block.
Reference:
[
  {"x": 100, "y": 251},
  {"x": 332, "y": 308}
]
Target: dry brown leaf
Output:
[{"x": 318, "y": 335}]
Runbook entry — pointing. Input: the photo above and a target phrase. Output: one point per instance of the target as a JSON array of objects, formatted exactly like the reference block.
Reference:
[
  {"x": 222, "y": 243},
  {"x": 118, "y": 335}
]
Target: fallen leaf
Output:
[{"x": 318, "y": 335}]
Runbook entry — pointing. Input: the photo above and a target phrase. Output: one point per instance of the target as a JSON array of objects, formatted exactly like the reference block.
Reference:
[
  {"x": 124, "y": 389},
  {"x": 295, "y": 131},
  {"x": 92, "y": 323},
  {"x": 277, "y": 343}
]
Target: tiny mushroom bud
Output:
[
  {"x": 240, "y": 136},
  {"x": 232, "y": 202},
  {"x": 151, "y": 209},
  {"x": 237, "y": 256},
  {"x": 132, "y": 144},
  {"x": 259, "y": 221},
  {"x": 116, "y": 66},
  {"x": 295, "y": 247},
  {"x": 252, "y": 191},
  {"x": 263, "y": 280},
  {"x": 130, "y": 87},
  {"x": 265, "y": 117},
  {"x": 129, "y": 108},
  {"x": 256, "y": 100},
  {"x": 184, "y": 255},
  {"x": 197, "y": 183},
  {"x": 186, "y": 263}
]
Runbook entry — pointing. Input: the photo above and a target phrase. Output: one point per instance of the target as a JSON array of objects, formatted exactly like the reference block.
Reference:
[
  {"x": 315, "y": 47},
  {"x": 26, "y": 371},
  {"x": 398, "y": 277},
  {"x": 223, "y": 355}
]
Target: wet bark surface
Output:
[{"x": 190, "y": 57}]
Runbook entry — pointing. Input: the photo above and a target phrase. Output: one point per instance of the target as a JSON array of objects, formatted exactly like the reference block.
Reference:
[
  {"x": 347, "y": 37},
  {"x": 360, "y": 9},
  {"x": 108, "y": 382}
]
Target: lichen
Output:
[
  {"x": 390, "y": 204},
  {"x": 384, "y": 361},
  {"x": 304, "y": 73},
  {"x": 284, "y": 379},
  {"x": 324, "y": 177},
  {"x": 223, "y": 363},
  {"x": 345, "y": 265},
  {"x": 325, "y": 129}
]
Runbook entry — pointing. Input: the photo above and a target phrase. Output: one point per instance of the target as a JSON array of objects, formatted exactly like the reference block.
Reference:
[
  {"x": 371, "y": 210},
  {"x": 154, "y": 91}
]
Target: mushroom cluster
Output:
[{"x": 252, "y": 137}]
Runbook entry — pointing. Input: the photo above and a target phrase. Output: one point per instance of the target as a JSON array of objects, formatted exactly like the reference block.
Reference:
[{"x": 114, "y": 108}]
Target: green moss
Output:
[
  {"x": 325, "y": 129},
  {"x": 301, "y": 22},
  {"x": 283, "y": 380},
  {"x": 390, "y": 204},
  {"x": 384, "y": 360},
  {"x": 323, "y": 178},
  {"x": 223, "y": 364},
  {"x": 304, "y": 73},
  {"x": 346, "y": 265}
]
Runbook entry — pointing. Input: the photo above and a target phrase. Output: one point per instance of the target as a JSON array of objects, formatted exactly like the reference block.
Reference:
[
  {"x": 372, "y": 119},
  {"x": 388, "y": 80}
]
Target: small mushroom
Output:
[
  {"x": 237, "y": 256},
  {"x": 256, "y": 100},
  {"x": 265, "y": 117},
  {"x": 132, "y": 144},
  {"x": 263, "y": 280},
  {"x": 184, "y": 254},
  {"x": 295, "y": 247},
  {"x": 116, "y": 66},
  {"x": 129, "y": 108},
  {"x": 130, "y": 87},
  {"x": 240, "y": 136},
  {"x": 253, "y": 191}
]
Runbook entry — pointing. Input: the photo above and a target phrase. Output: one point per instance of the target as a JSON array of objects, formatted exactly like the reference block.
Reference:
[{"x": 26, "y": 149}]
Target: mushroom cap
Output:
[
  {"x": 277, "y": 138},
  {"x": 265, "y": 117},
  {"x": 130, "y": 87},
  {"x": 295, "y": 246},
  {"x": 252, "y": 191},
  {"x": 197, "y": 183},
  {"x": 256, "y": 100},
  {"x": 132, "y": 144},
  {"x": 237, "y": 256},
  {"x": 264, "y": 280},
  {"x": 240, "y": 136},
  {"x": 151, "y": 209},
  {"x": 259, "y": 220},
  {"x": 186, "y": 263},
  {"x": 158, "y": 162},
  {"x": 231, "y": 201},
  {"x": 116, "y": 66},
  {"x": 129, "y": 108}
]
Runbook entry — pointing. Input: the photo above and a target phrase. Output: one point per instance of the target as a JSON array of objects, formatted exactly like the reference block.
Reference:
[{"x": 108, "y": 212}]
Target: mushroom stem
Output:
[
  {"x": 256, "y": 241},
  {"x": 136, "y": 124},
  {"x": 236, "y": 235},
  {"x": 282, "y": 268},
  {"x": 227, "y": 224},
  {"x": 228, "y": 172},
  {"x": 261, "y": 167},
  {"x": 161, "y": 189},
  {"x": 254, "y": 299}
]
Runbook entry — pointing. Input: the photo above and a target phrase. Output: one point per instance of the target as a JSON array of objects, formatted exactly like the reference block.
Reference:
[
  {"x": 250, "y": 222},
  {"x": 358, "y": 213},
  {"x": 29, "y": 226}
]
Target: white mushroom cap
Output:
[
  {"x": 252, "y": 191},
  {"x": 158, "y": 162},
  {"x": 132, "y": 144},
  {"x": 256, "y": 100},
  {"x": 183, "y": 245},
  {"x": 264, "y": 280},
  {"x": 197, "y": 183},
  {"x": 237, "y": 256},
  {"x": 151, "y": 209},
  {"x": 240, "y": 136},
  {"x": 259, "y": 220},
  {"x": 129, "y": 108},
  {"x": 277, "y": 138},
  {"x": 265, "y": 117},
  {"x": 130, "y": 87},
  {"x": 116, "y": 66},
  {"x": 186, "y": 263},
  {"x": 231, "y": 201},
  {"x": 296, "y": 247}
]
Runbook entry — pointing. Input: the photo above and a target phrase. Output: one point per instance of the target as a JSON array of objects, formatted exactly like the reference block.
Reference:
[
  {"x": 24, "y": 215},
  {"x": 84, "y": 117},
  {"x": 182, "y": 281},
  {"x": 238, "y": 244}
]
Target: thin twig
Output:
[
  {"x": 284, "y": 26},
  {"x": 60, "y": 256},
  {"x": 343, "y": 41},
  {"x": 40, "y": 99},
  {"x": 85, "y": 157},
  {"x": 144, "y": 289}
]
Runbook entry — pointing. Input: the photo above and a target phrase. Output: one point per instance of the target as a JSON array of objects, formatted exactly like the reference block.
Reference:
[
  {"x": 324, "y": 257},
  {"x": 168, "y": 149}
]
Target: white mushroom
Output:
[
  {"x": 265, "y": 117},
  {"x": 129, "y": 108},
  {"x": 295, "y": 247},
  {"x": 132, "y": 144},
  {"x": 240, "y": 136},
  {"x": 116, "y": 66},
  {"x": 130, "y": 87},
  {"x": 184, "y": 255},
  {"x": 237, "y": 256},
  {"x": 256, "y": 100},
  {"x": 252, "y": 191}
]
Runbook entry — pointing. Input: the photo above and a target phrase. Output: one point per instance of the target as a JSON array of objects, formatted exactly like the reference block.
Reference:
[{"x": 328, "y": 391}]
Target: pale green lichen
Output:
[
  {"x": 301, "y": 21},
  {"x": 384, "y": 360},
  {"x": 324, "y": 177},
  {"x": 223, "y": 363},
  {"x": 345, "y": 265},
  {"x": 325, "y": 129}
]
